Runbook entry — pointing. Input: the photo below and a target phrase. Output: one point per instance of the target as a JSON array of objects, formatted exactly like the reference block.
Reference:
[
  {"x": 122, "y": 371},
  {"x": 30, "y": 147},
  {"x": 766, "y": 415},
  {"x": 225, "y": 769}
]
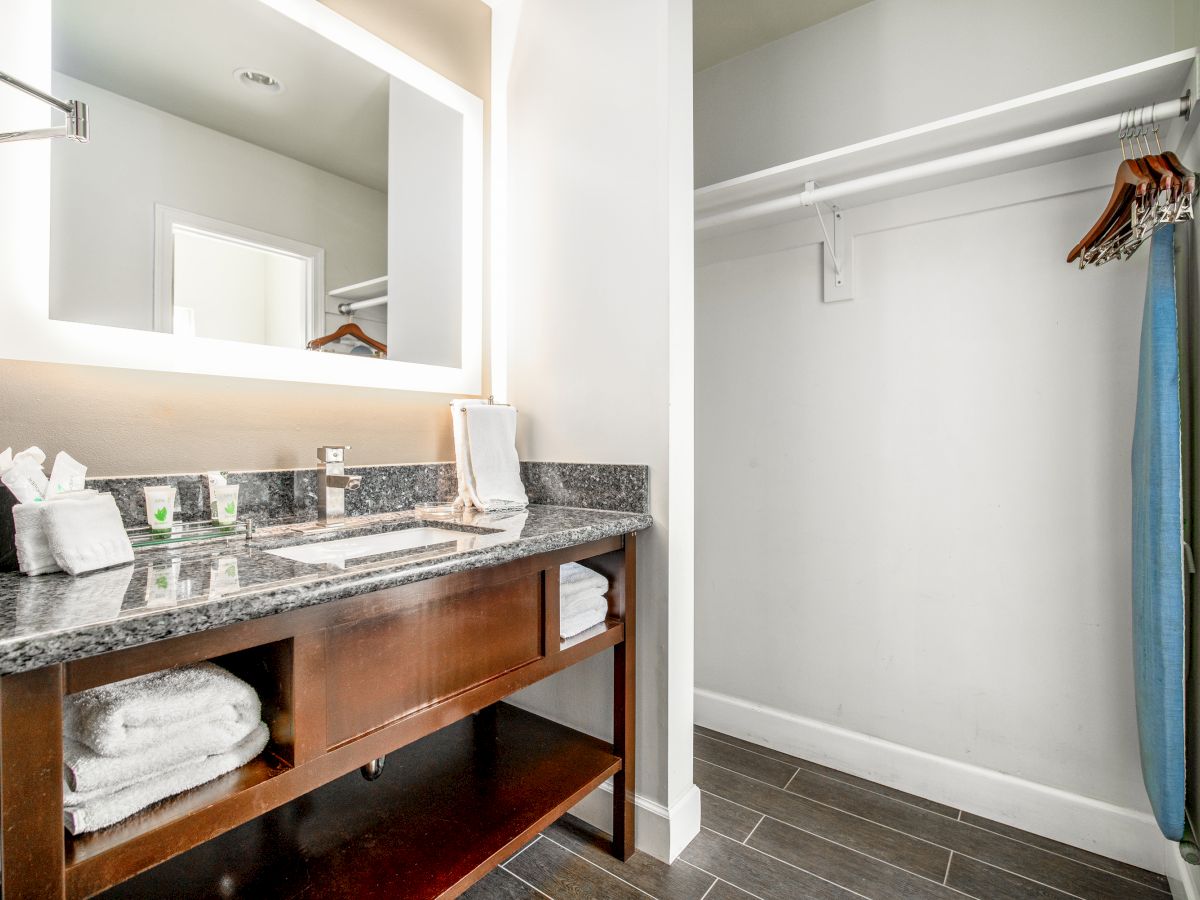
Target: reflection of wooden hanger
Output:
[{"x": 352, "y": 330}]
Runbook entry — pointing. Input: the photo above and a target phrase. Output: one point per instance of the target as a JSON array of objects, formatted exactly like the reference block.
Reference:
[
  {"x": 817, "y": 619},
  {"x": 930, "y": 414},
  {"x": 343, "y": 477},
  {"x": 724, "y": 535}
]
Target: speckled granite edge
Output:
[
  {"x": 290, "y": 495},
  {"x": 20, "y": 654}
]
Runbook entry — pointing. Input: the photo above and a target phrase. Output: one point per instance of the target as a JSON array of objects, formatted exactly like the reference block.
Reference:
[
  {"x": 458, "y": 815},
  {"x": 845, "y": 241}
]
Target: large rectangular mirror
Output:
[{"x": 263, "y": 176}]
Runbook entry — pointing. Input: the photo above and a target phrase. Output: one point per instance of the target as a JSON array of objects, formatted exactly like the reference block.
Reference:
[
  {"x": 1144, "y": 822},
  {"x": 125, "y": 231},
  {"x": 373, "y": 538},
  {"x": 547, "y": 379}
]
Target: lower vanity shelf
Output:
[
  {"x": 414, "y": 673},
  {"x": 446, "y": 809}
]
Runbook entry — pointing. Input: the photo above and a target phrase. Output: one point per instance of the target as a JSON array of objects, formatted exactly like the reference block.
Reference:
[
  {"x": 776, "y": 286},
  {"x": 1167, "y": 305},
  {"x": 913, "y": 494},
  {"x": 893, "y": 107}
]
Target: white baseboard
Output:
[
  {"x": 1129, "y": 835},
  {"x": 658, "y": 830},
  {"x": 1184, "y": 879}
]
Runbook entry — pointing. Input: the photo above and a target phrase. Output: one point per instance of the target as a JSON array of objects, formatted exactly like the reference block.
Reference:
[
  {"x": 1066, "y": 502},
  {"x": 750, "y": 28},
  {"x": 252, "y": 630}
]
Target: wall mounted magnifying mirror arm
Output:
[{"x": 76, "y": 111}]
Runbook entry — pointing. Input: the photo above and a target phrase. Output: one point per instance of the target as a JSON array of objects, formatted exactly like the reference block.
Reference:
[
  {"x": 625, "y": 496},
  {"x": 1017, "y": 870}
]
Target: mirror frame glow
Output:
[{"x": 28, "y": 333}]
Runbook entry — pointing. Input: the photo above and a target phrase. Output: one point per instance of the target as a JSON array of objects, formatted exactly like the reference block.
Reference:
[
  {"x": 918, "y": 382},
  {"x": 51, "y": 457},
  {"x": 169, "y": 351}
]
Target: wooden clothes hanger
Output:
[{"x": 350, "y": 329}]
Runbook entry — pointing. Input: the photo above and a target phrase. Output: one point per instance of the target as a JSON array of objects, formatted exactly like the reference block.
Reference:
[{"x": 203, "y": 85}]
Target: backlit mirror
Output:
[{"x": 250, "y": 180}]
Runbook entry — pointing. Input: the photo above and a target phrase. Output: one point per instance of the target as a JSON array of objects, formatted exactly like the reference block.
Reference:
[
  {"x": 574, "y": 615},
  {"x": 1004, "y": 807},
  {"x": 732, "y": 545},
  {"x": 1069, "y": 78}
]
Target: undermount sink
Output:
[{"x": 372, "y": 547}]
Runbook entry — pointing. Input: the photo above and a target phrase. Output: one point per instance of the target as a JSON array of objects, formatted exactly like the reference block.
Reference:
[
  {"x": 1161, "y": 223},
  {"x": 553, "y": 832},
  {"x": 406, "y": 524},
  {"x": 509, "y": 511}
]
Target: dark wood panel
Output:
[
  {"x": 385, "y": 667},
  {"x": 446, "y": 809},
  {"x": 31, "y": 780},
  {"x": 108, "y": 667}
]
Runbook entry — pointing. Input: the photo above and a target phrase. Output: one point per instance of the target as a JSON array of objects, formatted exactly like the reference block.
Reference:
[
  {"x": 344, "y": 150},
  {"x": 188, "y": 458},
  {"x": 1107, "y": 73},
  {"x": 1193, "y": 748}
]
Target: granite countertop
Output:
[{"x": 191, "y": 588}]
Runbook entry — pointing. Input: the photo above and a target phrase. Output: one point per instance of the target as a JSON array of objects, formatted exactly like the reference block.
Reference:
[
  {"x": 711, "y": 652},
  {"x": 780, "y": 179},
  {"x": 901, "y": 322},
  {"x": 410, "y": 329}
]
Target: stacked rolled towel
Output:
[
  {"x": 581, "y": 600},
  {"x": 132, "y": 743}
]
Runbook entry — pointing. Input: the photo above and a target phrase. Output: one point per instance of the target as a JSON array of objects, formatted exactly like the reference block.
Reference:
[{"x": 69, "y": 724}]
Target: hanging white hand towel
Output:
[{"x": 485, "y": 446}]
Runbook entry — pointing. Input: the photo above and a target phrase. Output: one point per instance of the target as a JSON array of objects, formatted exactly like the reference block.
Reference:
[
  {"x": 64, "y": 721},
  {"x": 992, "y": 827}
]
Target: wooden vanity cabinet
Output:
[{"x": 343, "y": 683}]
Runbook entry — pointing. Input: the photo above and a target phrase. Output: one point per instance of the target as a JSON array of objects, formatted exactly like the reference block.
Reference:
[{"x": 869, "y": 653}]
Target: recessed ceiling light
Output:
[{"x": 259, "y": 81}]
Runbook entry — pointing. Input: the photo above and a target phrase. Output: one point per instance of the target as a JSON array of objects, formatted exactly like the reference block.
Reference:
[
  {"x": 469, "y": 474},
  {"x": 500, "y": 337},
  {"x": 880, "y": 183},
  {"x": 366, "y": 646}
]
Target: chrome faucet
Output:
[{"x": 332, "y": 484}]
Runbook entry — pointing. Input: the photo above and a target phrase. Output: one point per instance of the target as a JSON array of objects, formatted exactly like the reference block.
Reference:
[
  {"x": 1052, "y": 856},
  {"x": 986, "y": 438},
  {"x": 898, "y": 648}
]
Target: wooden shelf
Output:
[
  {"x": 445, "y": 810},
  {"x": 1154, "y": 80}
]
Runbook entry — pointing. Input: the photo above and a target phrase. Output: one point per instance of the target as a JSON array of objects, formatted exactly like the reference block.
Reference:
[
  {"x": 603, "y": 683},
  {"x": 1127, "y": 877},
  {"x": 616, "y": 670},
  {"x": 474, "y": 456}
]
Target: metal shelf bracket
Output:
[{"x": 838, "y": 283}]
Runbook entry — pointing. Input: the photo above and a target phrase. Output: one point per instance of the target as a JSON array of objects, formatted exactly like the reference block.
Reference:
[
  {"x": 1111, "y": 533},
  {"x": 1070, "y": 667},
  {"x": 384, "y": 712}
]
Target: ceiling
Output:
[
  {"x": 724, "y": 29},
  {"x": 179, "y": 56}
]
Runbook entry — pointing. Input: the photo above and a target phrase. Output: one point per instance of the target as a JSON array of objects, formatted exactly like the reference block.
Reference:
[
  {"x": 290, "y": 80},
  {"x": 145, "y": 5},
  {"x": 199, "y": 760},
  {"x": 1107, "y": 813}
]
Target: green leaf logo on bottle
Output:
[
  {"x": 231, "y": 508},
  {"x": 161, "y": 514},
  {"x": 161, "y": 582}
]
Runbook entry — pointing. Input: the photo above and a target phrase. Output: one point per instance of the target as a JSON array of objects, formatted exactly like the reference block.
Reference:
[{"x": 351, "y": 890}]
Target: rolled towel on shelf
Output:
[
  {"x": 202, "y": 700},
  {"x": 86, "y": 535},
  {"x": 485, "y": 450},
  {"x": 90, "y": 811}
]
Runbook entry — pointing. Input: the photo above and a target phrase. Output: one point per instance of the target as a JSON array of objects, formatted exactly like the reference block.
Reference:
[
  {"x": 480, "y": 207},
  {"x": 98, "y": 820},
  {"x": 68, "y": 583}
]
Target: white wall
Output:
[
  {"x": 892, "y": 64},
  {"x": 600, "y": 260},
  {"x": 913, "y": 507},
  {"x": 103, "y": 196}
]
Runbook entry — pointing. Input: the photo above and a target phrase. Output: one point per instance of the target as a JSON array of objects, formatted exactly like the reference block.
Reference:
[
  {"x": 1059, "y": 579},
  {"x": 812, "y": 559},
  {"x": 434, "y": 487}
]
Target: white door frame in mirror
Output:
[
  {"x": 169, "y": 222},
  {"x": 28, "y": 333}
]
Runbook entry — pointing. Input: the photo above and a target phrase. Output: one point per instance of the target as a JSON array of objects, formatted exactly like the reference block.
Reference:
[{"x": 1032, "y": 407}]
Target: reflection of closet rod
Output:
[
  {"x": 76, "y": 127},
  {"x": 1109, "y": 125},
  {"x": 355, "y": 305}
]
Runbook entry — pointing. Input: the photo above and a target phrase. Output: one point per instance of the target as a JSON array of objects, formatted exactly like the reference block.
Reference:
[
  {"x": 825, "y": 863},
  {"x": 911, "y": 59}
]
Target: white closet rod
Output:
[
  {"x": 355, "y": 305},
  {"x": 1158, "y": 112}
]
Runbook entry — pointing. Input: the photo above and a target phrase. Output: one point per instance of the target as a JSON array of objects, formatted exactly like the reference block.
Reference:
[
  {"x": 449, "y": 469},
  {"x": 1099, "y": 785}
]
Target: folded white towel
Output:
[
  {"x": 485, "y": 450},
  {"x": 86, "y": 771},
  {"x": 34, "y": 555},
  {"x": 203, "y": 700},
  {"x": 581, "y": 613},
  {"x": 573, "y": 578},
  {"x": 83, "y": 812},
  {"x": 33, "y": 550},
  {"x": 86, "y": 535}
]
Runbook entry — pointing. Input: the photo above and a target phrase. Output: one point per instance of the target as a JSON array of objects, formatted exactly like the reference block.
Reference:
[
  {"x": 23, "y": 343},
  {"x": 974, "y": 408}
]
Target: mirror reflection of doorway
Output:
[{"x": 218, "y": 280}]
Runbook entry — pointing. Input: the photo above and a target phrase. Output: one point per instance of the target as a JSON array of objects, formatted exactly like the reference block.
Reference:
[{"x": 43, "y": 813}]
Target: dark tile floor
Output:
[{"x": 774, "y": 826}]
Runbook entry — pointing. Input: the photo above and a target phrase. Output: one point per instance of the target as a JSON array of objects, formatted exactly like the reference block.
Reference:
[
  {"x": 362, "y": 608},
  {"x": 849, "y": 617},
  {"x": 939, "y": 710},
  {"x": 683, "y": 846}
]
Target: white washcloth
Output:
[
  {"x": 574, "y": 579},
  {"x": 581, "y": 613},
  {"x": 485, "y": 450},
  {"x": 83, "y": 812},
  {"x": 86, "y": 535},
  {"x": 34, "y": 555},
  {"x": 133, "y": 715},
  {"x": 33, "y": 550}
]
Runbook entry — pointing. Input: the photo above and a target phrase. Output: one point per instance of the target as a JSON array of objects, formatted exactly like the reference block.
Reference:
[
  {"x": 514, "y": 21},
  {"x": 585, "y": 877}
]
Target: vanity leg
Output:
[
  {"x": 31, "y": 784},
  {"x": 624, "y": 687}
]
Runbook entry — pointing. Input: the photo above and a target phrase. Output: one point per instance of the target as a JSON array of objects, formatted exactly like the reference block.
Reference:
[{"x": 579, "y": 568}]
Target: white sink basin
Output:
[{"x": 356, "y": 549}]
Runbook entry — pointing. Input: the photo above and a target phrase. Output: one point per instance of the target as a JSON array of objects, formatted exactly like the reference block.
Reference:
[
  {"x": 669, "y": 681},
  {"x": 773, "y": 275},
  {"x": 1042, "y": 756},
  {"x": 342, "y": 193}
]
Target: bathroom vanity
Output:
[{"x": 404, "y": 653}]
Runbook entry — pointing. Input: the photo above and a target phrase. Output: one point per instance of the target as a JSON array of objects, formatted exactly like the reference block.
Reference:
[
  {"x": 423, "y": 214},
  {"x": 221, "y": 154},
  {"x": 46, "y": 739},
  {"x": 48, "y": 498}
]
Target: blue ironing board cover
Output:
[{"x": 1158, "y": 593}]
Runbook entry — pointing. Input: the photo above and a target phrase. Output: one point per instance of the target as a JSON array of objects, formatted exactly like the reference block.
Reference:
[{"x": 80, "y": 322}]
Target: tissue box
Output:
[{"x": 8, "y": 540}]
